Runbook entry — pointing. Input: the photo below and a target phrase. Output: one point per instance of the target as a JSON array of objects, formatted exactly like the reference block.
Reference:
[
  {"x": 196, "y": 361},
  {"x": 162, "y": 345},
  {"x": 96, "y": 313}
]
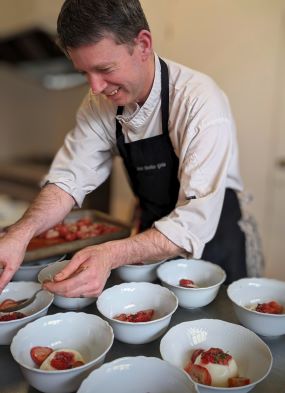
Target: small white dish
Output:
[
  {"x": 129, "y": 298},
  {"x": 29, "y": 271},
  {"x": 248, "y": 292},
  {"x": 252, "y": 355},
  {"x": 37, "y": 309},
  {"x": 88, "y": 334},
  {"x": 68, "y": 303},
  {"x": 145, "y": 272},
  {"x": 137, "y": 375},
  {"x": 206, "y": 275}
]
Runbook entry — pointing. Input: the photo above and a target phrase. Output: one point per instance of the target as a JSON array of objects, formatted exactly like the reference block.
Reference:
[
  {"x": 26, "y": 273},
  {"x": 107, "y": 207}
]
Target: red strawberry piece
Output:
[
  {"x": 143, "y": 316},
  {"x": 195, "y": 354},
  {"x": 215, "y": 356},
  {"x": 270, "y": 308},
  {"x": 121, "y": 317},
  {"x": 39, "y": 354},
  {"x": 7, "y": 303},
  {"x": 12, "y": 316},
  {"x": 199, "y": 374},
  {"x": 238, "y": 381},
  {"x": 186, "y": 283},
  {"x": 63, "y": 360}
]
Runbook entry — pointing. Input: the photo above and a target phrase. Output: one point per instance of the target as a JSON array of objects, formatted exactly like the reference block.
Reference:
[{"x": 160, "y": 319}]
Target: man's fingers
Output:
[
  {"x": 72, "y": 268},
  {"x": 5, "y": 278}
]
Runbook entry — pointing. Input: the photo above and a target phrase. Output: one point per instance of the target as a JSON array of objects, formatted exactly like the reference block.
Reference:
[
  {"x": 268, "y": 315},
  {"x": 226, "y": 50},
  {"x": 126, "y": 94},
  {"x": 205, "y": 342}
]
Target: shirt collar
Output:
[{"x": 134, "y": 115}]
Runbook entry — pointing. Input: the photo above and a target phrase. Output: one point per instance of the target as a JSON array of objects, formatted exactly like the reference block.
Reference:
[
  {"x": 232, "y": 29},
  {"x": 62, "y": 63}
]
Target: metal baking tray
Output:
[{"x": 72, "y": 246}]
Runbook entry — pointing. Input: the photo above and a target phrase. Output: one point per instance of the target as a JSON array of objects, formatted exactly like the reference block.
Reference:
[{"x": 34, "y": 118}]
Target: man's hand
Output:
[
  {"x": 12, "y": 251},
  {"x": 89, "y": 269},
  {"x": 85, "y": 275}
]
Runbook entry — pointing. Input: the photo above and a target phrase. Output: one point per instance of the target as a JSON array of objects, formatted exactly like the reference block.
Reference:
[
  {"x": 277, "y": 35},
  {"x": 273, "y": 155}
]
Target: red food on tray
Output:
[
  {"x": 12, "y": 316},
  {"x": 269, "y": 308},
  {"x": 66, "y": 232},
  {"x": 140, "y": 316}
]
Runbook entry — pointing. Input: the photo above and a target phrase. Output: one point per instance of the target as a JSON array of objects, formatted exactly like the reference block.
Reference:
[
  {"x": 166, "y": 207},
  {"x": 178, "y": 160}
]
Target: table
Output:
[{"x": 12, "y": 381}]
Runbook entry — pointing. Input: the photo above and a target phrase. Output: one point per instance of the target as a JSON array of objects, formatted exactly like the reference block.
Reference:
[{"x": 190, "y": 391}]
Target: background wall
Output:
[{"x": 241, "y": 45}]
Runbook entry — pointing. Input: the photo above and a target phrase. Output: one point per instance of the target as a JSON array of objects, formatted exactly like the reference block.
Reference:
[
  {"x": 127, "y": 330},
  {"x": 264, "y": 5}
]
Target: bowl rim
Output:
[
  {"x": 245, "y": 280},
  {"x": 27, "y": 317},
  {"x": 173, "y": 261},
  {"x": 29, "y": 265},
  {"x": 135, "y": 358},
  {"x": 59, "y": 372},
  {"x": 265, "y": 346},
  {"x": 143, "y": 266},
  {"x": 125, "y": 323}
]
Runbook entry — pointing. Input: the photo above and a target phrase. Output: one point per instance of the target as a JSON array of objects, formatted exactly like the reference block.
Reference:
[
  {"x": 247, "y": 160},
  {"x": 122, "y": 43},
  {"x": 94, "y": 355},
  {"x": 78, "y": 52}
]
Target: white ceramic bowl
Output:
[
  {"x": 86, "y": 333},
  {"x": 68, "y": 303},
  {"x": 129, "y": 298},
  {"x": 252, "y": 355},
  {"x": 139, "y": 273},
  {"x": 37, "y": 309},
  {"x": 29, "y": 271},
  {"x": 208, "y": 276},
  {"x": 250, "y": 291},
  {"x": 137, "y": 375}
]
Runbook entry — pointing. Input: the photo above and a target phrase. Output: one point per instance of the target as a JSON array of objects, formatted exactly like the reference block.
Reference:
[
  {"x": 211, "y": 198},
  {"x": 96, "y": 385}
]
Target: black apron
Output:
[{"x": 152, "y": 167}]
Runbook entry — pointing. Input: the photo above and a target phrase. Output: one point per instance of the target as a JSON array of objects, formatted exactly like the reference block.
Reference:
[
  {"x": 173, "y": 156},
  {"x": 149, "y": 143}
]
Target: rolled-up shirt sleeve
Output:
[
  {"x": 85, "y": 160},
  {"x": 203, "y": 172}
]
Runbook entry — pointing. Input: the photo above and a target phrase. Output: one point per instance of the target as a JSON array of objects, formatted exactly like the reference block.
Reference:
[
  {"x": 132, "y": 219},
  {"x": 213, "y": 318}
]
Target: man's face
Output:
[{"x": 123, "y": 74}]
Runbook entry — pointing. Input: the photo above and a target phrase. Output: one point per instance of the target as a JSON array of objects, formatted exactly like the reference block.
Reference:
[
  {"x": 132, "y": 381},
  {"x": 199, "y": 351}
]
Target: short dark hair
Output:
[{"x": 83, "y": 22}]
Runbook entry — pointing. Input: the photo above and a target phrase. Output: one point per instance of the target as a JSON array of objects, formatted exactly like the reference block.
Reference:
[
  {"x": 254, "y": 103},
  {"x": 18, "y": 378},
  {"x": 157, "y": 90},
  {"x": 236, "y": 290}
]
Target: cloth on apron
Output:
[{"x": 152, "y": 167}]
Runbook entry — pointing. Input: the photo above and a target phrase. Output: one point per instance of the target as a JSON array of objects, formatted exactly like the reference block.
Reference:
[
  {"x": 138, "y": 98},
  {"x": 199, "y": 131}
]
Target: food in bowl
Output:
[
  {"x": 251, "y": 354},
  {"x": 246, "y": 293},
  {"x": 186, "y": 283},
  {"x": 12, "y": 316},
  {"x": 271, "y": 307},
  {"x": 214, "y": 367},
  {"x": 132, "y": 298},
  {"x": 61, "y": 359},
  {"x": 7, "y": 303},
  {"x": 206, "y": 275},
  {"x": 140, "y": 316}
]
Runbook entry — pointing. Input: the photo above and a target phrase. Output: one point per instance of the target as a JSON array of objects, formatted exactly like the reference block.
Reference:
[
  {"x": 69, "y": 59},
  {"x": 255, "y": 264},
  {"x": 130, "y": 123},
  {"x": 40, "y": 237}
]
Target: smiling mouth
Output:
[{"x": 113, "y": 92}]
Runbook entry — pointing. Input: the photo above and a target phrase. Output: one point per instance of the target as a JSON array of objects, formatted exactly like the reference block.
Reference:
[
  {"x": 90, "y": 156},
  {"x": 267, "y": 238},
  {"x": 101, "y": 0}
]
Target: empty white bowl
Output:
[
  {"x": 37, "y": 309},
  {"x": 29, "y": 271},
  {"x": 139, "y": 273},
  {"x": 248, "y": 292},
  {"x": 208, "y": 276},
  {"x": 129, "y": 298},
  {"x": 68, "y": 303},
  {"x": 88, "y": 334},
  {"x": 252, "y": 355},
  {"x": 137, "y": 374}
]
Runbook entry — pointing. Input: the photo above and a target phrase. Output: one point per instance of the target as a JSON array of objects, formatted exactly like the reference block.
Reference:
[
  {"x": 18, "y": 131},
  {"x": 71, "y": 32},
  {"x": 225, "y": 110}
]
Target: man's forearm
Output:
[
  {"x": 148, "y": 245},
  {"x": 50, "y": 207}
]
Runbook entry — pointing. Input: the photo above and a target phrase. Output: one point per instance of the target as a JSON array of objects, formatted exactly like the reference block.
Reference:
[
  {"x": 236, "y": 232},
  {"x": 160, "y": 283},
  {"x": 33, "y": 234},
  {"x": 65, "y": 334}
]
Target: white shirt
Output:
[{"x": 203, "y": 135}]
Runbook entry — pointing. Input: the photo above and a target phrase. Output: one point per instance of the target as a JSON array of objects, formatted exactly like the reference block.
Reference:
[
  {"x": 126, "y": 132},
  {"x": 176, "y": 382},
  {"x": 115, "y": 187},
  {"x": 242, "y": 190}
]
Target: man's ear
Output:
[{"x": 144, "y": 44}]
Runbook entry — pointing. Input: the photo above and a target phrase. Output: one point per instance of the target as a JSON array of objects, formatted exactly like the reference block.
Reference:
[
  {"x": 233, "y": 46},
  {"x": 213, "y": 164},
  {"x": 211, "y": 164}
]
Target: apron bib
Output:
[{"x": 152, "y": 167}]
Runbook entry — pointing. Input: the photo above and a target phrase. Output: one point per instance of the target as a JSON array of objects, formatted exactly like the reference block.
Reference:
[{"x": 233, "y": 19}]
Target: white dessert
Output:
[
  {"x": 220, "y": 373},
  {"x": 46, "y": 365}
]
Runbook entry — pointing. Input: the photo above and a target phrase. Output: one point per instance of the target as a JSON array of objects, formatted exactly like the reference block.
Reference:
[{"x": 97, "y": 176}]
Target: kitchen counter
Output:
[{"x": 12, "y": 381}]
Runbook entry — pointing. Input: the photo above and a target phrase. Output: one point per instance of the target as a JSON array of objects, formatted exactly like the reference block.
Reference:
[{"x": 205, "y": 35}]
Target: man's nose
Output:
[{"x": 97, "y": 84}]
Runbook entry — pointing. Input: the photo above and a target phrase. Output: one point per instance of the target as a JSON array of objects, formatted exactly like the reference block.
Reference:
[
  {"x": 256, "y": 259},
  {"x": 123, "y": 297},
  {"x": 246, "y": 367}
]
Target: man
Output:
[{"x": 174, "y": 130}]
